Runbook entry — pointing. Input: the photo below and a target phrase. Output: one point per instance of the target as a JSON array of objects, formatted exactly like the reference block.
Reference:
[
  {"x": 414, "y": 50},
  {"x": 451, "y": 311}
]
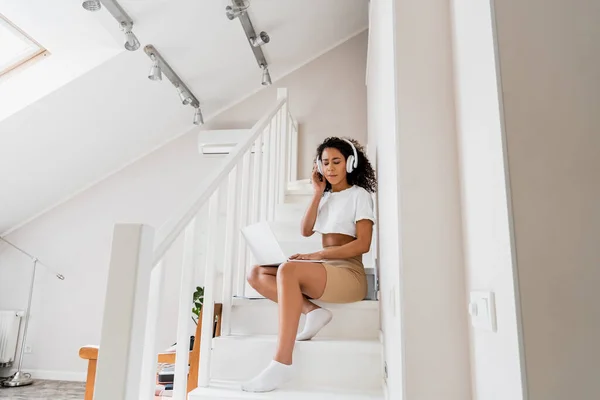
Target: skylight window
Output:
[{"x": 16, "y": 47}]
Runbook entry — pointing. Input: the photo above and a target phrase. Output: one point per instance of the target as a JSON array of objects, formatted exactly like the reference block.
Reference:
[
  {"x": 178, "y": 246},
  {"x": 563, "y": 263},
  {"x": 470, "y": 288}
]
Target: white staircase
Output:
[
  {"x": 342, "y": 362},
  {"x": 256, "y": 182}
]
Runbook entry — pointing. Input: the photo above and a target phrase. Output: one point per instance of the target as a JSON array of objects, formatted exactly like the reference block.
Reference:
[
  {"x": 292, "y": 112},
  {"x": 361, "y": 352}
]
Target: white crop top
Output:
[{"x": 339, "y": 211}]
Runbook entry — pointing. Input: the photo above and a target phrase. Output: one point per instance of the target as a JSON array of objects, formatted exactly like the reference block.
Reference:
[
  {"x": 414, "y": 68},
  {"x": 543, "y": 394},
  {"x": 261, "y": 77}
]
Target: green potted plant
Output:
[
  {"x": 198, "y": 302},
  {"x": 197, "y": 308}
]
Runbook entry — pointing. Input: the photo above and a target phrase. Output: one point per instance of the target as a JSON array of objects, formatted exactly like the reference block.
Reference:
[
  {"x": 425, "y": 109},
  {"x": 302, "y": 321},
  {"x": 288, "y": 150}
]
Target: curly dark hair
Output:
[{"x": 363, "y": 175}]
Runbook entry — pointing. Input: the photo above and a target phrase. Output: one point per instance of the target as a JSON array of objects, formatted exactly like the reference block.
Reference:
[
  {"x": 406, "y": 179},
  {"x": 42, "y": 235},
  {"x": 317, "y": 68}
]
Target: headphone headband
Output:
[
  {"x": 355, "y": 161},
  {"x": 351, "y": 162}
]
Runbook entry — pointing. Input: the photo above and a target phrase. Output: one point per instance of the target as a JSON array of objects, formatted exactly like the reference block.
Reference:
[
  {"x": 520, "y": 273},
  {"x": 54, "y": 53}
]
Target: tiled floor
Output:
[
  {"x": 45, "y": 390},
  {"x": 49, "y": 390}
]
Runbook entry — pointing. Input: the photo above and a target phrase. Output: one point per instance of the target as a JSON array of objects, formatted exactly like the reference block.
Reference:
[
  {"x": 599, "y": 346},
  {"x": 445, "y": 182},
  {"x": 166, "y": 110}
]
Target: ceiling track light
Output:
[
  {"x": 263, "y": 38},
  {"x": 92, "y": 5},
  {"x": 266, "y": 76},
  {"x": 233, "y": 12},
  {"x": 159, "y": 67},
  {"x": 155, "y": 73},
  {"x": 256, "y": 40},
  {"x": 186, "y": 98},
  {"x": 125, "y": 22},
  {"x": 131, "y": 41},
  {"x": 198, "y": 118}
]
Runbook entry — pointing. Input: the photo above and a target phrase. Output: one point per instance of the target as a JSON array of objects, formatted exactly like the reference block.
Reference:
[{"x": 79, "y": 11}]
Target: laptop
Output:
[{"x": 264, "y": 245}]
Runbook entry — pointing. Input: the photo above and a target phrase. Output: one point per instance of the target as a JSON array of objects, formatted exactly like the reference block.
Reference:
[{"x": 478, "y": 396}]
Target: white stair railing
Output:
[{"x": 256, "y": 171}]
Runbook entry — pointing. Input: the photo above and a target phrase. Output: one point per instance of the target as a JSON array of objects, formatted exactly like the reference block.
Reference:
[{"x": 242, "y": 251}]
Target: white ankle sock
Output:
[
  {"x": 275, "y": 375},
  {"x": 315, "y": 321}
]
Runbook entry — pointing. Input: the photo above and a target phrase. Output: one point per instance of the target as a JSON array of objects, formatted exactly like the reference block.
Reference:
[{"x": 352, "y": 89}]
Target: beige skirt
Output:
[{"x": 346, "y": 281}]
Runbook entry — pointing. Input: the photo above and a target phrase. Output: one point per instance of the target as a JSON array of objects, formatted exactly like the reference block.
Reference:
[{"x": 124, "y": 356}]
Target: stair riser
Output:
[
  {"x": 240, "y": 361},
  {"x": 290, "y": 213},
  {"x": 299, "y": 198},
  {"x": 346, "y": 323},
  {"x": 290, "y": 232}
]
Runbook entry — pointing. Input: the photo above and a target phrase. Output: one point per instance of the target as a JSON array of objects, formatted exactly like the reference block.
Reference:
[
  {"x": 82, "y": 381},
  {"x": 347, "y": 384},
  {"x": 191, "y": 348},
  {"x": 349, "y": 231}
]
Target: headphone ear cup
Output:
[
  {"x": 320, "y": 167},
  {"x": 350, "y": 164}
]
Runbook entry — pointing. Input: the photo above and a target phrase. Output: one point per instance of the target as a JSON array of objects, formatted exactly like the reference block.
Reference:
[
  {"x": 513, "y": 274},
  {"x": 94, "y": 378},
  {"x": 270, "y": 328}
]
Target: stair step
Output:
[
  {"x": 319, "y": 363},
  {"x": 223, "y": 390},
  {"x": 358, "y": 320}
]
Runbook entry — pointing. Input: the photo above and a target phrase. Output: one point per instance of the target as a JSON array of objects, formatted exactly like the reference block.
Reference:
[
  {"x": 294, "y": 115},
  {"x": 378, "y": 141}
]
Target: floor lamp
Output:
[{"x": 20, "y": 378}]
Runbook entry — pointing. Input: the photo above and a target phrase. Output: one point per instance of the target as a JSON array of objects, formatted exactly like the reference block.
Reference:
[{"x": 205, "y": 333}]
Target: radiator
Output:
[{"x": 9, "y": 336}]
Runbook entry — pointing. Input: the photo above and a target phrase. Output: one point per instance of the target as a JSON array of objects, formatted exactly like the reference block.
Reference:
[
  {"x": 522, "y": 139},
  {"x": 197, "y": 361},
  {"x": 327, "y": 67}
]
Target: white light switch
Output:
[{"x": 482, "y": 308}]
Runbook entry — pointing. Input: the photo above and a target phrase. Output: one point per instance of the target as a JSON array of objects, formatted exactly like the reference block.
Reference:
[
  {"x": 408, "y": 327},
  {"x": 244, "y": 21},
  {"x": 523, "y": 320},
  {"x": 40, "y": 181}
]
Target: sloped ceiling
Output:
[{"x": 112, "y": 114}]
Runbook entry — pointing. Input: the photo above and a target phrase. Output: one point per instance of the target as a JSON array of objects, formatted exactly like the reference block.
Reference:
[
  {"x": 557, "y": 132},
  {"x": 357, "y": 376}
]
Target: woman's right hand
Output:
[{"x": 318, "y": 180}]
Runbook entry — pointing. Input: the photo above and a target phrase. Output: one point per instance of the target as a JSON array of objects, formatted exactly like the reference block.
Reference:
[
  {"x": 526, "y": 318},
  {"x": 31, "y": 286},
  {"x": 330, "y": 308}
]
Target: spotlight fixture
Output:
[
  {"x": 92, "y": 5},
  {"x": 266, "y": 76},
  {"x": 263, "y": 38},
  {"x": 131, "y": 42},
  {"x": 184, "y": 96},
  {"x": 198, "y": 118},
  {"x": 238, "y": 9},
  {"x": 155, "y": 74},
  {"x": 125, "y": 22},
  {"x": 234, "y": 12}
]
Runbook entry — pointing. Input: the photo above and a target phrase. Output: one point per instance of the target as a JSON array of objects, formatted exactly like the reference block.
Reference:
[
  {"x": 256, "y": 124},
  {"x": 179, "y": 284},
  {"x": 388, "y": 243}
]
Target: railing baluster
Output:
[
  {"x": 244, "y": 208},
  {"x": 230, "y": 246},
  {"x": 257, "y": 179},
  {"x": 184, "y": 320},
  {"x": 208, "y": 312},
  {"x": 280, "y": 159},
  {"x": 289, "y": 150},
  {"x": 278, "y": 164},
  {"x": 266, "y": 173},
  {"x": 285, "y": 161},
  {"x": 272, "y": 167},
  {"x": 293, "y": 150}
]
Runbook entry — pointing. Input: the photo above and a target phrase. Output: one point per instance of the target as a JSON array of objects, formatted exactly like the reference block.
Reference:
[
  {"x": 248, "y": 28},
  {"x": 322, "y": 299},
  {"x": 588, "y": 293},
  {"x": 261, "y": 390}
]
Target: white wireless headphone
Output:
[{"x": 351, "y": 162}]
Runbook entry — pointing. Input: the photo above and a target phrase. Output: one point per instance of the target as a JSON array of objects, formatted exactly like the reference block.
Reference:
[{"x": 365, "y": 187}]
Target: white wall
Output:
[
  {"x": 75, "y": 239},
  {"x": 411, "y": 116},
  {"x": 328, "y": 97},
  {"x": 381, "y": 99},
  {"x": 434, "y": 304},
  {"x": 495, "y": 360},
  {"x": 550, "y": 73}
]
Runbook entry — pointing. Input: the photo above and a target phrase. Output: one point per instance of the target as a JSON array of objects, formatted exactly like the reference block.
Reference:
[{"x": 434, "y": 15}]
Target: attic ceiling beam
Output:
[{"x": 239, "y": 10}]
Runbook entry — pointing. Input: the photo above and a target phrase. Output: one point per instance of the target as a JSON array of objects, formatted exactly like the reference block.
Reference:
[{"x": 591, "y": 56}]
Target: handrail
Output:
[
  {"x": 256, "y": 185},
  {"x": 187, "y": 213}
]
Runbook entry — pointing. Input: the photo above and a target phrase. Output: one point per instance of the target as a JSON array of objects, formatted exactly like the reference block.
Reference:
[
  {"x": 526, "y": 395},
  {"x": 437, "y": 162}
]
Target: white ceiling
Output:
[{"x": 109, "y": 113}]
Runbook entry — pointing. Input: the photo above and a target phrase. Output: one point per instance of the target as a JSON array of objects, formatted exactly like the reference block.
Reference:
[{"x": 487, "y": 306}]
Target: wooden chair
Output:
[{"x": 90, "y": 353}]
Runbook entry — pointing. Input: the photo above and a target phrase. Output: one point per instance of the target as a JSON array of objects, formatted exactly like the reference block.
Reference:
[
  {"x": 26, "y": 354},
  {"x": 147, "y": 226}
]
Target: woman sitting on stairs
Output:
[{"x": 342, "y": 211}]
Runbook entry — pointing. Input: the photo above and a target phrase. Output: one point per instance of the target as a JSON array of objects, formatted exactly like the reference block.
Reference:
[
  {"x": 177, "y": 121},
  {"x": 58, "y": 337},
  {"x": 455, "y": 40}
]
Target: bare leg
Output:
[
  {"x": 263, "y": 280},
  {"x": 292, "y": 280}
]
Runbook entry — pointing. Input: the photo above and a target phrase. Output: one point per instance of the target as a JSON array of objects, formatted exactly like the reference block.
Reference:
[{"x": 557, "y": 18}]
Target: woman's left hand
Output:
[{"x": 310, "y": 256}]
